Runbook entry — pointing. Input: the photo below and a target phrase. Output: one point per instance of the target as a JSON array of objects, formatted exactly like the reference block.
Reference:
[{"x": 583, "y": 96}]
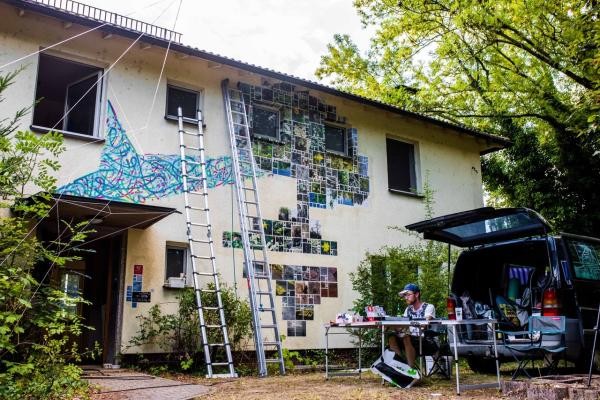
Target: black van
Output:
[{"x": 508, "y": 253}]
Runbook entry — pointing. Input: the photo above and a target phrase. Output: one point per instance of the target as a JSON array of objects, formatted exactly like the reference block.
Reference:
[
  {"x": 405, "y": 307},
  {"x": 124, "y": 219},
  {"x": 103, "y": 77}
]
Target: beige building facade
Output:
[{"x": 336, "y": 170}]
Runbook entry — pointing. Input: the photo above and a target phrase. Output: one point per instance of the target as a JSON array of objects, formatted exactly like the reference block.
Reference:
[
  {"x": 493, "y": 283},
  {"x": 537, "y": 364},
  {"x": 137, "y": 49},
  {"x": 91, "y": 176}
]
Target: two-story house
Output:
[{"x": 336, "y": 170}]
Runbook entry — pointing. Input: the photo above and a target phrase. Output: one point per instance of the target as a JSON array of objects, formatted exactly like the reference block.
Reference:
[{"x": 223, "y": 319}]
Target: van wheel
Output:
[{"x": 482, "y": 365}]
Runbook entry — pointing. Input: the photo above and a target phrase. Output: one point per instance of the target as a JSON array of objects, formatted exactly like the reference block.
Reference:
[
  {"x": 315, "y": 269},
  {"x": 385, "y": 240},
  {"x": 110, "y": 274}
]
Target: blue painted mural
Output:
[{"x": 125, "y": 175}]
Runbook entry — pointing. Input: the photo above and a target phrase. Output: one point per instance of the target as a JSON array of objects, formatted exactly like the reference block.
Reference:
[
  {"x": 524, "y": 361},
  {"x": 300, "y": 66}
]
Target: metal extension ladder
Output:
[
  {"x": 260, "y": 288},
  {"x": 200, "y": 240}
]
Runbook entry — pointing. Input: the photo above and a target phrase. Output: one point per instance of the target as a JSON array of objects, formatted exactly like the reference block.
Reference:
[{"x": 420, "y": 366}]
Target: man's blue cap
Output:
[{"x": 410, "y": 287}]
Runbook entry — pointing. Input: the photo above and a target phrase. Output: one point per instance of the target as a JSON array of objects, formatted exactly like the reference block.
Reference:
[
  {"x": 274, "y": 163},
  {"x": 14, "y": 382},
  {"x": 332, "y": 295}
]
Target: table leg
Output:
[
  {"x": 456, "y": 359},
  {"x": 326, "y": 353},
  {"x": 382, "y": 347},
  {"x": 360, "y": 333},
  {"x": 496, "y": 354}
]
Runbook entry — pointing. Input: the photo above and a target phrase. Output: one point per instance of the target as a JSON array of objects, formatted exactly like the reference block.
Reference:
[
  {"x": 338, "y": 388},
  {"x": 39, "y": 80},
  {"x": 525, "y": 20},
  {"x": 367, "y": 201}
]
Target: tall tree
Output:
[{"x": 525, "y": 69}]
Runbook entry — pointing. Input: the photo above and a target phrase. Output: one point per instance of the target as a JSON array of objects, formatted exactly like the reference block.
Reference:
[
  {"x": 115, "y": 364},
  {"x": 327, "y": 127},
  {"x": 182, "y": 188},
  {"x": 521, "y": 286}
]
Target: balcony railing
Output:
[{"x": 100, "y": 15}]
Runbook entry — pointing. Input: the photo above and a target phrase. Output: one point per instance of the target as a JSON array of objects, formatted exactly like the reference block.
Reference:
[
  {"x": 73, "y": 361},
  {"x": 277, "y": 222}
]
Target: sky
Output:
[{"x": 284, "y": 35}]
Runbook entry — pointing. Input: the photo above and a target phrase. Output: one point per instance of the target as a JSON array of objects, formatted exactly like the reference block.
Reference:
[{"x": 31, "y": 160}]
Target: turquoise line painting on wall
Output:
[{"x": 126, "y": 175}]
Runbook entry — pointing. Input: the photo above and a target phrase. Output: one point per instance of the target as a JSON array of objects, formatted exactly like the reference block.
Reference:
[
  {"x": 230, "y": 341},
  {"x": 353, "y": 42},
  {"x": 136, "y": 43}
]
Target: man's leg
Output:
[
  {"x": 393, "y": 343},
  {"x": 409, "y": 349}
]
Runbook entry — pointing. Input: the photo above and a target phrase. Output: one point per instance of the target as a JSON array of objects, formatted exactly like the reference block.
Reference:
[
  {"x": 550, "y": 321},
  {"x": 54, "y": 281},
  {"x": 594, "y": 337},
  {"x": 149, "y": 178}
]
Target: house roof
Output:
[{"x": 81, "y": 14}]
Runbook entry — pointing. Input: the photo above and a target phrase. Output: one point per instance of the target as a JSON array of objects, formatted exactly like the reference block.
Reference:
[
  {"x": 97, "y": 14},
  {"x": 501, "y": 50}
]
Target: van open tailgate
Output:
[{"x": 482, "y": 226}]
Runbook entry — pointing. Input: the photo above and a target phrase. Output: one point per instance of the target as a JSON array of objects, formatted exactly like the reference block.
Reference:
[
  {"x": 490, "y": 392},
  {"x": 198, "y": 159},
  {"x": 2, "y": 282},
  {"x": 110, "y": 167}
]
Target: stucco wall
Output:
[{"x": 450, "y": 161}]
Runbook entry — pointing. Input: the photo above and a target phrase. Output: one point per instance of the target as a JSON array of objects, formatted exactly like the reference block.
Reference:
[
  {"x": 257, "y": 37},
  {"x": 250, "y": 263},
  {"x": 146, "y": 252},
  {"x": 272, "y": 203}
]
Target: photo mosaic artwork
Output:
[
  {"x": 302, "y": 287},
  {"x": 324, "y": 179}
]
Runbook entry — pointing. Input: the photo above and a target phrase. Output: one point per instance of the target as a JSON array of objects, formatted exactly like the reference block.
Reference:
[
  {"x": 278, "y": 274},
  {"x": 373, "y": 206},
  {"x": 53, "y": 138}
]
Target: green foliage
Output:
[
  {"x": 380, "y": 276},
  {"x": 527, "y": 70},
  {"x": 38, "y": 322},
  {"x": 179, "y": 333}
]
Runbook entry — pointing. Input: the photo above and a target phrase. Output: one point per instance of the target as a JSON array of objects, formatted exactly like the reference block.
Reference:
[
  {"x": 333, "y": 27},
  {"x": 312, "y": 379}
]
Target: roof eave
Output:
[{"x": 495, "y": 142}]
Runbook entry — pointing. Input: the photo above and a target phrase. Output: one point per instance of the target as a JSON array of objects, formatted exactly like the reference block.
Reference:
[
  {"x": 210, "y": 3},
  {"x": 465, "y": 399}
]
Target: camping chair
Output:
[
  {"x": 544, "y": 339},
  {"x": 435, "y": 345}
]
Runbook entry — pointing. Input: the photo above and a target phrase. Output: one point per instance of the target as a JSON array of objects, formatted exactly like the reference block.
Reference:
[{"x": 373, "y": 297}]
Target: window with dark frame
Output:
[
  {"x": 336, "y": 140},
  {"x": 176, "y": 261},
  {"x": 68, "y": 95},
  {"x": 265, "y": 122},
  {"x": 188, "y": 100},
  {"x": 401, "y": 166}
]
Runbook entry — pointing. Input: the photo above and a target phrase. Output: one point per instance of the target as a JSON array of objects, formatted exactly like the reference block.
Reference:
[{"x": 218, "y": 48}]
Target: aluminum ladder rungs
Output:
[
  {"x": 189, "y": 158},
  {"x": 273, "y": 360},
  {"x": 221, "y": 364},
  {"x": 251, "y": 225},
  {"x": 197, "y": 208},
  {"x": 194, "y": 162},
  {"x": 201, "y": 241},
  {"x": 199, "y": 224},
  {"x": 205, "y": 273}
]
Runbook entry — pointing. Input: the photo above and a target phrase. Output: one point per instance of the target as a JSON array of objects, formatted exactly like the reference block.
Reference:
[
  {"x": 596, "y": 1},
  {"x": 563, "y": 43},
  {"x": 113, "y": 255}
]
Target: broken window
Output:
[
  {"x": 265, "y": 122},
  {"x": 335, "y": 139},
  {"x": 68, "y": 95},
  {"x": 401, "y": 166},
  {"x": 187, "y": 99}
]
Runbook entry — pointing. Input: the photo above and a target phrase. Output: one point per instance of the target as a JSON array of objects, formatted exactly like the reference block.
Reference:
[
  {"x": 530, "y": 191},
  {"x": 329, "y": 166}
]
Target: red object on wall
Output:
[{"x": 138, "y": 269}]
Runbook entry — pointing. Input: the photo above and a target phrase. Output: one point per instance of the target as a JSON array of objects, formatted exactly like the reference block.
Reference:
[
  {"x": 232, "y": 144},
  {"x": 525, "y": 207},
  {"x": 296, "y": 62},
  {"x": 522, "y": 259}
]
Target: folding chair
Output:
[
  {"x": 544, "y": 340},
  {"x": 438, "y": 349}
]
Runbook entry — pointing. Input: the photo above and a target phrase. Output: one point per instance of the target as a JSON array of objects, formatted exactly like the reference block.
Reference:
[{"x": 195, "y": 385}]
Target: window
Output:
[
  {"x": 188, "y": 100},
  {"x": 585, "y": 258},
  {"x": 401, "y": 166},
  {"x": 335, "y": 139},
  {"x": 265, "y": 122},
  {"x": 69, "y": 96},
  {"x": 176, "y": 261}
]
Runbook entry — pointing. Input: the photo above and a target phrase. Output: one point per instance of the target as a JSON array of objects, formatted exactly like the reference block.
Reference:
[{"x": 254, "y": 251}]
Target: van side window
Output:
[{"x": 585, "y": 258}]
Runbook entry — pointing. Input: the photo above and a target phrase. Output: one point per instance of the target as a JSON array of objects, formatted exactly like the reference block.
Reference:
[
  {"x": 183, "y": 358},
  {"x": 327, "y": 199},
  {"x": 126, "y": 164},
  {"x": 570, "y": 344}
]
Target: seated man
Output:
[{"x": 416, "y": 309}]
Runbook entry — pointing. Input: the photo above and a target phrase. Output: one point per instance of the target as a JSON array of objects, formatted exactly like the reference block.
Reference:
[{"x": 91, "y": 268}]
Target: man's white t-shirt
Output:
[{"x": 426, "y": 311}]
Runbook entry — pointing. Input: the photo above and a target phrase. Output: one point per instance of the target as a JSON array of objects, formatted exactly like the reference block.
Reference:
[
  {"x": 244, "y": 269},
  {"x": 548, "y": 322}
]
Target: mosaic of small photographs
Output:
[
  {"x": 302, "y": 288},
  {"x": 287, "y": 234},
  {"x": 324, "y": 178}
]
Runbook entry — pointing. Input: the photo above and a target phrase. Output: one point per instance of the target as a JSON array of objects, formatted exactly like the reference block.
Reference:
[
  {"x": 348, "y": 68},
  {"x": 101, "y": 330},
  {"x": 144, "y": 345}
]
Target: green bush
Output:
[
  {"x": 38, "y": 322},
  {"x": 180, "y": 334}
]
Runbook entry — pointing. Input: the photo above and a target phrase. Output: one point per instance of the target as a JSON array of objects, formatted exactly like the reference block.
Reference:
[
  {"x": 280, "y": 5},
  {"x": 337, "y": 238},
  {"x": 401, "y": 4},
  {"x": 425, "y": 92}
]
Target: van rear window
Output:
[{"x": 585, "y": 258}]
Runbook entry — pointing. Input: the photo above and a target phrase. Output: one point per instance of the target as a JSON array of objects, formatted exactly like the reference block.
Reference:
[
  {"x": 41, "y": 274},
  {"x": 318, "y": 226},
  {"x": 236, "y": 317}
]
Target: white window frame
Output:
[
  {"x": 416, "y": 166},
  {"x": 197, "y": 92},
  {"x": 187, "y": 264},
  {"x": 98, "y": 75},
  {"x": 101, "y": 95}
]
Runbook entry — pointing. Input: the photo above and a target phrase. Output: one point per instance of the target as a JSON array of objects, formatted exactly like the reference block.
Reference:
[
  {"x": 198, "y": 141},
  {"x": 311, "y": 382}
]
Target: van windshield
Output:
[{"x": 585, "y": 258}]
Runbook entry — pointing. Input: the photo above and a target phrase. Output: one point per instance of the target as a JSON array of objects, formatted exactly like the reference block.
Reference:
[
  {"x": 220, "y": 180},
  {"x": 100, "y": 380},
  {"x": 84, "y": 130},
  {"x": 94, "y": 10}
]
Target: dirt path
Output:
[{"x": 313, "y": 386}]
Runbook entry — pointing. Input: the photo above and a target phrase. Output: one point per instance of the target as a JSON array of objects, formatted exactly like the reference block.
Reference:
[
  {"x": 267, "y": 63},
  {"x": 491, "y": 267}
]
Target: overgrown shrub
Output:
[
  {"x": 179, "y": 333},
  {"x": 38, "y": 323}
]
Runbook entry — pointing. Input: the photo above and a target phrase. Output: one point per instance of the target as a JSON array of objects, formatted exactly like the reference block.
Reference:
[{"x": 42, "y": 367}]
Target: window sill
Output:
[
  {"x": 405, "y": 193},
  {"x": 73, "y": 135},
  {"x": 167, "y": 286}
]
